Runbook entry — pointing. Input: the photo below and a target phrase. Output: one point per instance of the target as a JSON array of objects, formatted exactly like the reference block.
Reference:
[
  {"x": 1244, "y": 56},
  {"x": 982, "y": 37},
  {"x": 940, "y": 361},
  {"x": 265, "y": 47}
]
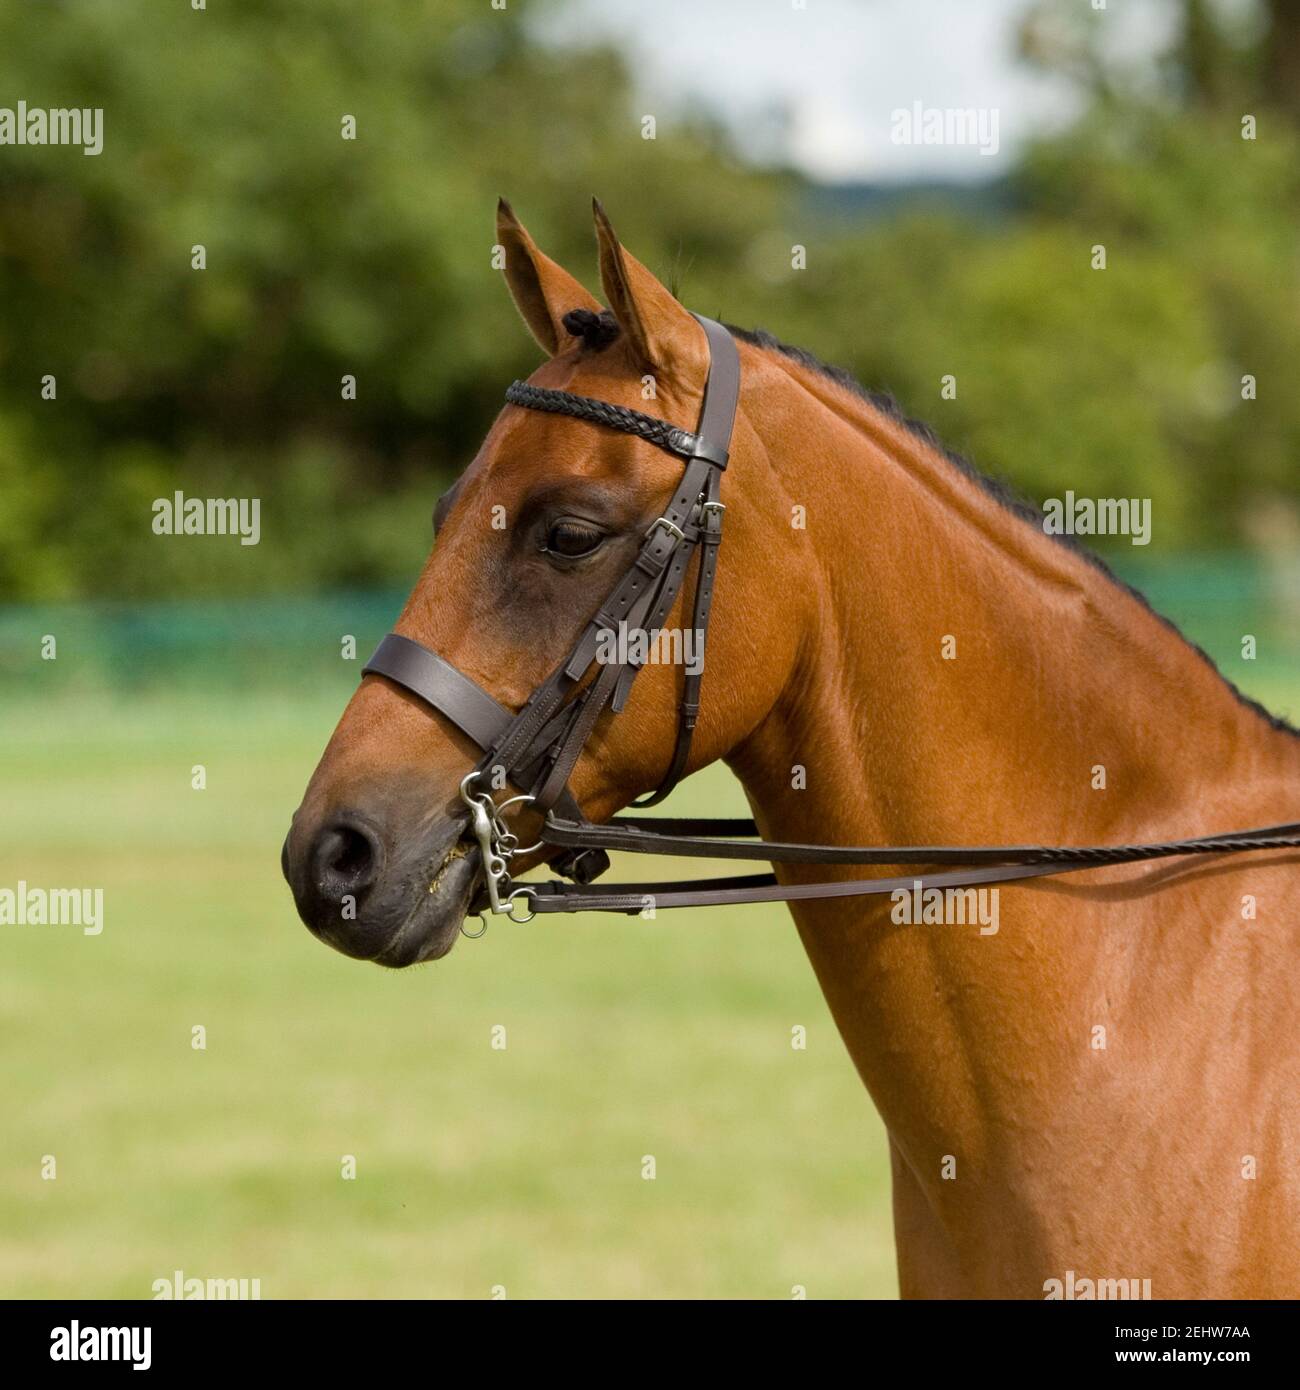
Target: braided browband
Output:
[{"x": 616, "y": 417}]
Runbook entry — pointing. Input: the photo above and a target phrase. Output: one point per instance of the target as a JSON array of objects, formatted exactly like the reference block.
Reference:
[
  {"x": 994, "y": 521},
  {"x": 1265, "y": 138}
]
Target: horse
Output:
[{"x": 1101, "y": 1089}]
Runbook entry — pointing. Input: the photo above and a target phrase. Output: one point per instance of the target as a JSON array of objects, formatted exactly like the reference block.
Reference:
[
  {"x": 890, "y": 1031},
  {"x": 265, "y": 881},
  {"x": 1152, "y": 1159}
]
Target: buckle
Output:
[
  {"x": 671, "y": 527},
  {"x": 711, "y": 521},
  {"x": 581, "y": 865}
]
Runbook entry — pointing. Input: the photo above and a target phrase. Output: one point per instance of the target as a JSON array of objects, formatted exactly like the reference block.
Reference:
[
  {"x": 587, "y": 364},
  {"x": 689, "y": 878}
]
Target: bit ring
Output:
[
  {"x": 510, "y": 905},
  {"x": 514, "y": 849}
]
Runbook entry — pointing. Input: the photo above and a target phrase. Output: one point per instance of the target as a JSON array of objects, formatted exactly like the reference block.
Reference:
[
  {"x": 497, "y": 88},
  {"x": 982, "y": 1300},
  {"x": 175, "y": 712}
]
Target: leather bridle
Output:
[{"x": 539, "y": 746}]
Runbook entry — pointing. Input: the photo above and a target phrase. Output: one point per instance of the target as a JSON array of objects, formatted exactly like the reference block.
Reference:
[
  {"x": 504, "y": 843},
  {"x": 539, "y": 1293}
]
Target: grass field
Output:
[{"x": 475, "y": 1167}]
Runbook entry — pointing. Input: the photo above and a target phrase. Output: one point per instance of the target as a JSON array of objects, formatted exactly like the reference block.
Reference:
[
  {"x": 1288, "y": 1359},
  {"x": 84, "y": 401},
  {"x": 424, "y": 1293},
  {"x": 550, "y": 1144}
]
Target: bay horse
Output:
[{"x": 1104, "y": 1089}]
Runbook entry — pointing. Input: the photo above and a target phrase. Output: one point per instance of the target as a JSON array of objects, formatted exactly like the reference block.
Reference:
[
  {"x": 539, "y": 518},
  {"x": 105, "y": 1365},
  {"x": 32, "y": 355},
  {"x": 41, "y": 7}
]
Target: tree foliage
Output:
[{"x": 371, "y": 257}]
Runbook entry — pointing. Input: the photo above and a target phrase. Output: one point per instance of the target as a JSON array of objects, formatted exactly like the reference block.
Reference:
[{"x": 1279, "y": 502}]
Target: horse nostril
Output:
[{"x": 346, "y": 858}]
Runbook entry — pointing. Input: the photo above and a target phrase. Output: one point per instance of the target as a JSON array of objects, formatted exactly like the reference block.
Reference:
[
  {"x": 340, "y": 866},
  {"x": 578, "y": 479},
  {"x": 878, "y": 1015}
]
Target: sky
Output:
[{"x": 841, "y": 69}]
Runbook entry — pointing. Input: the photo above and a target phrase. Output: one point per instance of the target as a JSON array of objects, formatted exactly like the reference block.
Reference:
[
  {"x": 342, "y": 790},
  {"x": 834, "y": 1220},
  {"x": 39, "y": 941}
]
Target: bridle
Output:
[{"x": 539, "y": 746}]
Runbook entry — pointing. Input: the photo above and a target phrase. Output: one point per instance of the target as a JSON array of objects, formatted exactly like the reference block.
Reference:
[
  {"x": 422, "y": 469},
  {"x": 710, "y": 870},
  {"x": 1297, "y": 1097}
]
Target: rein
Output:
[{"x": 539, "y": 746}]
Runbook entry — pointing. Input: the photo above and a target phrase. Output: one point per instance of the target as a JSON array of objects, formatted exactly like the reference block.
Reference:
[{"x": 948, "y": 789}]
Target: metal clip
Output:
[
  {"x": 496, "y": 846},
  {"x": 494, "y": 863},
  {"x": 670, "y": 526}
]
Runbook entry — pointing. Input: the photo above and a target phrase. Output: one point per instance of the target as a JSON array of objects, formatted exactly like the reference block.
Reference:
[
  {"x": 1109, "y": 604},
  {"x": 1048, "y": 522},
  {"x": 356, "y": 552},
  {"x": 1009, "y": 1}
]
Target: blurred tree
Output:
[
  {"x": 1169, "y": 179},
  {"x": 371, "y": 257},
  {"x": 324, "y": 257},
  {"x": 1282, "y": 56}
]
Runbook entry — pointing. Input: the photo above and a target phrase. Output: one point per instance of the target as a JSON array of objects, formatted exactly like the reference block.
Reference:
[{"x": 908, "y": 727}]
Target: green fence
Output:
[
  {"x": 298, "y": 642},
  {"x": 1217, "y": 601},
  {"x": 233, "y": 645}
]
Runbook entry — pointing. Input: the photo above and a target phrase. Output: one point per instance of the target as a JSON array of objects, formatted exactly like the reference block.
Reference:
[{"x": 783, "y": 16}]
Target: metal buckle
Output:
[
  {"x": 719, "y": 507},
  {"x": 671, "y": 527}
]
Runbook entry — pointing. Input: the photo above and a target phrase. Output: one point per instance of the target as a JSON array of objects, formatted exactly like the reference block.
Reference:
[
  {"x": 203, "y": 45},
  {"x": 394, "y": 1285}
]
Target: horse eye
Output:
[{"x": 572, "y": 539}]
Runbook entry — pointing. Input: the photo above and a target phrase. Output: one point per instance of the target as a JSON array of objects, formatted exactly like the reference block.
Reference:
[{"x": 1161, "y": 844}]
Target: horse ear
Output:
[
  {"x": 664, "y": 335},
  {"x": 543, "y": 291}
]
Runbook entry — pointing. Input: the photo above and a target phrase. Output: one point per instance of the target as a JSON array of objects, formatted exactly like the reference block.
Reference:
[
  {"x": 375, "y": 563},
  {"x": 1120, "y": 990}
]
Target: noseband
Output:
[{"x": 539, "y": 746}]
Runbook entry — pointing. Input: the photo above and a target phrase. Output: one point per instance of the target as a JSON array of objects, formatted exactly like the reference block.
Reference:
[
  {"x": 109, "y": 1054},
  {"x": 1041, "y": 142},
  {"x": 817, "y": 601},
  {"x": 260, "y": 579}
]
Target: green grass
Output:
[{"x": 475, "y": 1167}]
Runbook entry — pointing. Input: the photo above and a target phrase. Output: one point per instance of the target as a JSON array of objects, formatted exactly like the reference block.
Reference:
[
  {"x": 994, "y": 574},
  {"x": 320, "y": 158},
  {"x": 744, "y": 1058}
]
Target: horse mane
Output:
[
  {"x": 598, "y": 331},
  {"x": 1003, "y": 493}
]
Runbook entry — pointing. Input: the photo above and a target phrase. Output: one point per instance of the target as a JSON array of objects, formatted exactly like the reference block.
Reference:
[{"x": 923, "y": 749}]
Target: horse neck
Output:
[
  {"x": 967, "y": 678},
  {"x": 878, "y": 739}
]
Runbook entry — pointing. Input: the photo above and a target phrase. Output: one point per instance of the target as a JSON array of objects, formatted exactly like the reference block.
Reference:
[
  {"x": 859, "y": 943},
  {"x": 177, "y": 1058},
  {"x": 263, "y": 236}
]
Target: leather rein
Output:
[{"x": 539, "y": 746}]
